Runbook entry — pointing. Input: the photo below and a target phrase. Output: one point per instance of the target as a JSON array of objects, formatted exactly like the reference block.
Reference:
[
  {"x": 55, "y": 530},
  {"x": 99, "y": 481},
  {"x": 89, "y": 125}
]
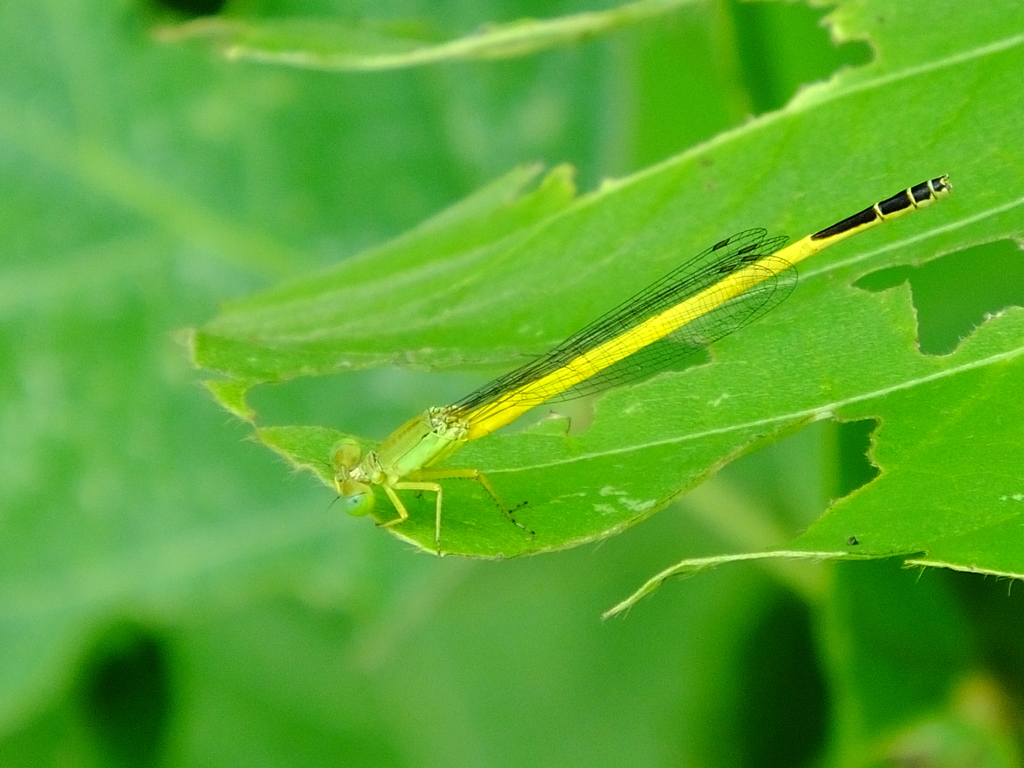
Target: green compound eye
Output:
[{"x": 355, "y": 498}]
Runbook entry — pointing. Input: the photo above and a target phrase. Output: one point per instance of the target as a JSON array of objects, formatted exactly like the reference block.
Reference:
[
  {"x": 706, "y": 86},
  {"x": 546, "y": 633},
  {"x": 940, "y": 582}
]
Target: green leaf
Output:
[
  {"x": 832, "y": 351},
  {"x": 938, "y": 492},
  {"x": 330, "y": 44}
]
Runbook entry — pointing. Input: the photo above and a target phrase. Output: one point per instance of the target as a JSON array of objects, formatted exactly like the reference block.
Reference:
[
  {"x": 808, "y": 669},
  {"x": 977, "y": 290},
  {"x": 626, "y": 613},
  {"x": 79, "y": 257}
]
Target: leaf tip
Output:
[{"x": 230, "y": 393}]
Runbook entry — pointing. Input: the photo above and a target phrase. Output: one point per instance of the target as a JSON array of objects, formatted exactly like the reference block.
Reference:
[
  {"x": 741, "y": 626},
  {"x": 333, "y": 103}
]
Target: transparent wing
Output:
[
  {"x": 692, "y": 337},
  {"x": 748, "y": 249}
]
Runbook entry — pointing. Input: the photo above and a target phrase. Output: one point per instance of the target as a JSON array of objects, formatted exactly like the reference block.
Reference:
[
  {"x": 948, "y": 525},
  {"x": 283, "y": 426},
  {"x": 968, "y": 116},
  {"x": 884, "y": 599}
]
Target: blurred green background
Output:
[{"x": 171, "y": 594}]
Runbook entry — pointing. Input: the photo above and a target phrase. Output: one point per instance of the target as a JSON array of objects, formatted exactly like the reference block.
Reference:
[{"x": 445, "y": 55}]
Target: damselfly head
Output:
[
  {"x": 345, "y": 457},
  {"x": 355, "y": 496}
]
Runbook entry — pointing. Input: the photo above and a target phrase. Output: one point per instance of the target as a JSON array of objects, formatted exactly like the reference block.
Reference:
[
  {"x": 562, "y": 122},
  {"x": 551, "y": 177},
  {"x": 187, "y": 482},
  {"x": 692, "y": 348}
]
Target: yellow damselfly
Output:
[{"x": 730, "y": 284}]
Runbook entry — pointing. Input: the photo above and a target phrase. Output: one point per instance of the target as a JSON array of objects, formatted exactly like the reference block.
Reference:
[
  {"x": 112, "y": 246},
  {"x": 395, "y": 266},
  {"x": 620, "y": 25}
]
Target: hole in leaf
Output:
[
  {"x": 191, "y": 8},
  {"x": 371, "y": 402},
  {"x": 784, "y": 711},
  {"x": 955, "y": 294},
  {"x": 125, "y": 695},
  {"x": 782, "y": 46},
  {"x": 853, "y": 468},
  {"x": 782, "y": 487}
]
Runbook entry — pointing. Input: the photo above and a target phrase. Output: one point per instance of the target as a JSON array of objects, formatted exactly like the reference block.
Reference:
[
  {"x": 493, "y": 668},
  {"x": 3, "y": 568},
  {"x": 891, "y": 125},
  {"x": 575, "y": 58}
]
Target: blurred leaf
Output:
[
  {"x": 902, "y": 669},
  {"x": 344, "y": 46},
  {"x": 142, "y": 185},
  {"x": 383, "y": 686},
  {"x": 831, "y": 351}
]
